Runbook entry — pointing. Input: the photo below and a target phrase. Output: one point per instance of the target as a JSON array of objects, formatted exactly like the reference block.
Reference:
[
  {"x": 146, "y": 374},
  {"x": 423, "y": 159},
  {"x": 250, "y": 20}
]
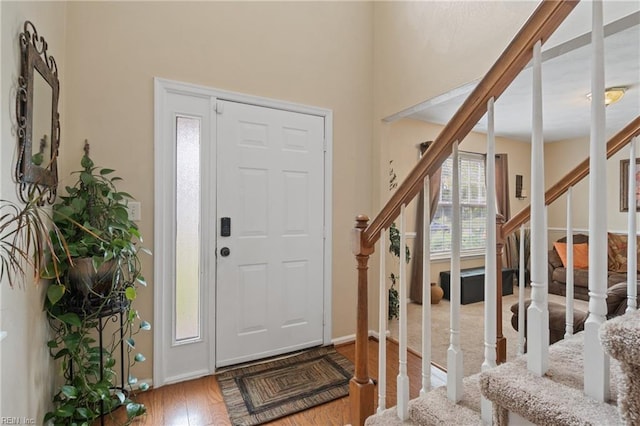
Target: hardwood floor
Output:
[{"x": 199, "y": 402}]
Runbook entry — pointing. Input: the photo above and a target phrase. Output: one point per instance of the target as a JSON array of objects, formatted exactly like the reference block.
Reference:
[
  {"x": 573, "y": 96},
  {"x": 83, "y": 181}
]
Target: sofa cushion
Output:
[
  {"x": 554, "y": 259},
  {"x": 580, "y": 254},
  {"x": 577, "y": 239},
  {"x": 617, "y": 252},
  {"x": 617, "y": 299},
  {"x": 580, "y": 276}
]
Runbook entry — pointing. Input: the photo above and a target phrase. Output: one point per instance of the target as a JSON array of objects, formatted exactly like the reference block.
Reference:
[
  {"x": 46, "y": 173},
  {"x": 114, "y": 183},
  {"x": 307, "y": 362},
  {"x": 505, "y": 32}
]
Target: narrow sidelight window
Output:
[{"x": 187, "y": 280}]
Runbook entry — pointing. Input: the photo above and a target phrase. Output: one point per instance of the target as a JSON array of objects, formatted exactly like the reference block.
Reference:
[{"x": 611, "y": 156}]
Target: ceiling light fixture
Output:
[{"x": 611, "y": 95}]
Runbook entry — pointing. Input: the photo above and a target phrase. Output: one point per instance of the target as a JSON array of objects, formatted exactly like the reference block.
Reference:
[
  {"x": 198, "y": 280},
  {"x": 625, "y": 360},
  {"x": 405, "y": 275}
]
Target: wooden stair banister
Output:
[
  {"x": 614, "y": 145},
  {"x": 539, "y": 27}
]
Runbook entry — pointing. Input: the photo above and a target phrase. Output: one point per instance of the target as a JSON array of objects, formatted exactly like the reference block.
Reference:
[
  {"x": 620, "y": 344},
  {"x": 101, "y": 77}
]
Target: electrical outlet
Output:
[{"x": 134, "y": 210}]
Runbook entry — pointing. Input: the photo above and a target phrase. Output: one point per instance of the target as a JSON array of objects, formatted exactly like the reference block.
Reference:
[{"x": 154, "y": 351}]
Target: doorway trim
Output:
[{"x": 164, "y": 216}]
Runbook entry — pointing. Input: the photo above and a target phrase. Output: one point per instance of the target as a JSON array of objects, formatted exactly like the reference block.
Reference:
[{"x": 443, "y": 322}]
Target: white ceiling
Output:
[{"x": 566, "y": 81}]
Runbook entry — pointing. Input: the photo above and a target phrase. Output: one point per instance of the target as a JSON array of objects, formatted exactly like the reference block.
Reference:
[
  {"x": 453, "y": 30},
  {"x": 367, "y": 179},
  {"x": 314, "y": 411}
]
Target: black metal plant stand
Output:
[{"x": 108, "y": 312}]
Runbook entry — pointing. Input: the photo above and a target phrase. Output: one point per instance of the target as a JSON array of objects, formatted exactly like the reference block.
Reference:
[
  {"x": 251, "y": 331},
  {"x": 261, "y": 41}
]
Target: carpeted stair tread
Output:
[
  {"x": 435, "y": 409},
  {"x": 621, "y": 339},
  {"x": 554, "y": 399},
  {"x": 388, "y": 417}
]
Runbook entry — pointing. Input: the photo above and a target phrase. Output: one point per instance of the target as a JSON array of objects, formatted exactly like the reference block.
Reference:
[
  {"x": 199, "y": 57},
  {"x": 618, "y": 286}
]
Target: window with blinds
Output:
[{"x": 473, "y": 206}]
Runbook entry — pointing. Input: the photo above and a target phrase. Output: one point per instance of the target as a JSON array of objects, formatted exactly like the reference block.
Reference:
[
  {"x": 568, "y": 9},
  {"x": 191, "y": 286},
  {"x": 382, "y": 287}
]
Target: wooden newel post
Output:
[
  {"x": 361, "y": 388},
  {"x": 501, "y": 341}
]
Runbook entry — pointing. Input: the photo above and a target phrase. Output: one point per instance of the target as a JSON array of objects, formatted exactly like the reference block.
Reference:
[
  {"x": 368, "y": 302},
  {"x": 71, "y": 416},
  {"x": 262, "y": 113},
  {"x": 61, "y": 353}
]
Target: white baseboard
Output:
[
  {"x": 344, "y": 339},
  {"x": 352, "y": 337}
]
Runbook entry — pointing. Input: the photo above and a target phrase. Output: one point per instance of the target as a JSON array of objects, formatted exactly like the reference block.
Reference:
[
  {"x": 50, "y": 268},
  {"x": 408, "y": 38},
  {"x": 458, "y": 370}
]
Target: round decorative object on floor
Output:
[{"x": 436, "y": 293}]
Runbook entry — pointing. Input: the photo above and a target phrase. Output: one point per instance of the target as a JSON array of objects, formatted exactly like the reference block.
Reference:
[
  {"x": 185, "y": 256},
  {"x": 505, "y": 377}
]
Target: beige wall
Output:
[
  {"x": 424, "y": 49},
  {"x": 27, "y": 373},
  {"x": 560, "y": 158},
  {"x": 318, "y": 54}
]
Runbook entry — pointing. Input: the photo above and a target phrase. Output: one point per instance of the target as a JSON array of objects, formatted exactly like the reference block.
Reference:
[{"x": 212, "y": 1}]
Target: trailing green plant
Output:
[
  {"x": 394, "y": 249},
  {"x": 96, "y": 274},
  {"x": 88, "y": 390}
]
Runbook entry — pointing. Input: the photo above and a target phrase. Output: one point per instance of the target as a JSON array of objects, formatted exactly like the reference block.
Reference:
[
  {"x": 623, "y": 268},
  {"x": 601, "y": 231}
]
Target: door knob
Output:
[{"x": 224, "y": 251}]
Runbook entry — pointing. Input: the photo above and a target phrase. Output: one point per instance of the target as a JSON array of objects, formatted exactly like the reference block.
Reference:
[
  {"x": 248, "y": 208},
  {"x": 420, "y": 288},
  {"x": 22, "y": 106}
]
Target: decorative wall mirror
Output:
[{"x": 38, "y": 119}]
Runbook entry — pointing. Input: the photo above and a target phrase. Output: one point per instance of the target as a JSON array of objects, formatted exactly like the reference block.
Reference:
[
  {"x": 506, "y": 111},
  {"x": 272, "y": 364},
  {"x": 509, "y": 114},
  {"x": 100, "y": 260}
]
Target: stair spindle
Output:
[
  {"x": 426, "y": 289},
  {"x": 596, "y": 361},
  {"x": 521, "y": 290},
  {"x": 490, "y": 268},
  {"x": 454, "y": 353},
  {"x": 632, "y": 249},
  {"x": 538, "y": 312},
  {"x": 403, "y": 378},
  {"x": 568, "y": 331},
  {"x": 382, "y": 327}
]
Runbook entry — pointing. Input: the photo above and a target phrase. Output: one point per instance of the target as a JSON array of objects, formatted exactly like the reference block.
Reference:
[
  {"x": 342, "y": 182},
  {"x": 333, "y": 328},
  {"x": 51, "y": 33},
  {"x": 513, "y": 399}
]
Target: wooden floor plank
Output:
[{"x": 199, "y": 402}]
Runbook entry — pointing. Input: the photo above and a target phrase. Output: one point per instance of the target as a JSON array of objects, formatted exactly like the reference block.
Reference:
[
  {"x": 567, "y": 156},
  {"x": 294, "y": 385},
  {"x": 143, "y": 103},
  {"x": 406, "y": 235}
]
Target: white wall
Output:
[{"x": 26, "y": 371}]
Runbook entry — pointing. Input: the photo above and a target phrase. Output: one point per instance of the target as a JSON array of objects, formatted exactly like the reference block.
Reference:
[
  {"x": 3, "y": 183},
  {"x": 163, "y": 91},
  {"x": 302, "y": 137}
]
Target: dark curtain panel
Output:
[
  {"x": 415, "y": 291},
  {"x": 502, "y": 205},
  {"x": 502, "y": 186}
]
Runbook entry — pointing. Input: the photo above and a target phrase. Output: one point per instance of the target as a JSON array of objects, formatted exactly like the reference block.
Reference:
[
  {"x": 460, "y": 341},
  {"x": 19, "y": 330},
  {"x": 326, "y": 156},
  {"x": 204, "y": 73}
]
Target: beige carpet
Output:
[{"x": 471, "y": 330}]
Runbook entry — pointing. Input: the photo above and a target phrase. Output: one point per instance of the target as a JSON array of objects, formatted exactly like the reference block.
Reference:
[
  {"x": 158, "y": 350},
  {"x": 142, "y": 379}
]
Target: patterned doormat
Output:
[{"x": 263, "y": 392}]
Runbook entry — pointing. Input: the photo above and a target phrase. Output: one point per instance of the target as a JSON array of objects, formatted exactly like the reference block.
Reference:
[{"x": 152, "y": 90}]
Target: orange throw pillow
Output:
[{"x": 580, "y": 254}]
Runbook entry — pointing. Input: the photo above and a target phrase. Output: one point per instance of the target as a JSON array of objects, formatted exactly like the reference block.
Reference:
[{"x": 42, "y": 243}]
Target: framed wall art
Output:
[{"x": 624, "y": 185}]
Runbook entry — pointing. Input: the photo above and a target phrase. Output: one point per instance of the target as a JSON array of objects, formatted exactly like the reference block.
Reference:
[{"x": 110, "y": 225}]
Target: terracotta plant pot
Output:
[{"x": 436, "y": 293}]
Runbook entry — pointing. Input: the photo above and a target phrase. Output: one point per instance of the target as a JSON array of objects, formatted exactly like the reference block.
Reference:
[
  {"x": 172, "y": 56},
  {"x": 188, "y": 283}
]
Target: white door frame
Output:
[{"x": 164, "y": 215}]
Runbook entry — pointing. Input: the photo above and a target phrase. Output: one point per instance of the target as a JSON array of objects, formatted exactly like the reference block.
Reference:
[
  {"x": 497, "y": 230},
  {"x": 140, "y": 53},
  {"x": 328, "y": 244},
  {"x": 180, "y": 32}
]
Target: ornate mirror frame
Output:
[{"x": 36, "y": 169}]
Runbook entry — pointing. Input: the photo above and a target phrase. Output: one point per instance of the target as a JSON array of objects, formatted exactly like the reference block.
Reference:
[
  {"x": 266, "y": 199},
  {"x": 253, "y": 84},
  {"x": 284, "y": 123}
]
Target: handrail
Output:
[
  {"x": 544, "y": 21},
  {"x": 615, "y": 144}
]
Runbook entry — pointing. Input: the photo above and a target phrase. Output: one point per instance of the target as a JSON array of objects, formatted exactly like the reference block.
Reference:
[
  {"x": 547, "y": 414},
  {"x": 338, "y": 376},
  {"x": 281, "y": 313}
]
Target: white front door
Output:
[
  {"x": 268, "y": 170},
  {"x": 270, "y": 245}
]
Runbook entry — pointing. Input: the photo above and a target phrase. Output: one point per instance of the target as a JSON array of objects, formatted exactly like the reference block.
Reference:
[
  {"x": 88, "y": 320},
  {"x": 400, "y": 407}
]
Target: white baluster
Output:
[
  {"x": 521, "y": 290},
  {"x": 538, "y": 312},
  {"x": 403, "y": 378},
  {"x": 426, "y": 289},
  {"x": 490, "y": 265},
  {"x": 454, "y": 353},
  {"x": 382, "y": 327},
  {"x": 545, "y": 258},
  {"x": 596, "y": 361},
  {"x": 568, "y": 331},
  {"x": 632, "y": 249}
]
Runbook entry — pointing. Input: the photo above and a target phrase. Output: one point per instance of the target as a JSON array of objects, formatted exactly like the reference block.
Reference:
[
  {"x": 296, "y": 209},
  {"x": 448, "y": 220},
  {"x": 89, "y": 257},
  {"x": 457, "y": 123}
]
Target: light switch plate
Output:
[{"x": 134, "y": 211}]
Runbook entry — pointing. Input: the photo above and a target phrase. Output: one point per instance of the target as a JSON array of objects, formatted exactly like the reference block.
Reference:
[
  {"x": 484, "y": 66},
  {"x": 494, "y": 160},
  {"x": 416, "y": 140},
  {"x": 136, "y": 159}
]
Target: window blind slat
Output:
[{"x": 473, "y": 202}]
